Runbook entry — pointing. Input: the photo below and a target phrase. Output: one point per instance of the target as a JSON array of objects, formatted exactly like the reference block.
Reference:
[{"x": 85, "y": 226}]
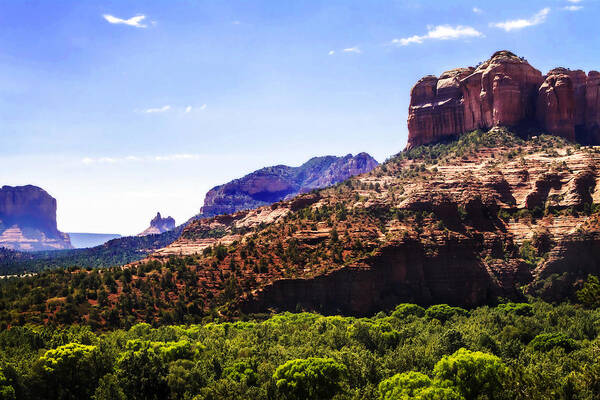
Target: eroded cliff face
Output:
[
  {"x": 437, "y": 107},
  {"x": 483, "y": 220},
  {"x": 28, "y": 220},
  {"x": 271, "y": 184},
  {"x": 505, "y": 91}
]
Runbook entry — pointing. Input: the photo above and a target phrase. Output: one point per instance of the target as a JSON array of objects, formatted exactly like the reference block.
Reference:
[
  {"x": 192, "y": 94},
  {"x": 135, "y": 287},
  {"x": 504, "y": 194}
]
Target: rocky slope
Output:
[
  {"x": 28, "y": 220},
  {"x": 464, "y": 223},
  {"x": 505, "y": 91},
  {"x": 488, "y": 217},
  {"x": 272, "y": 184},
  {"x": 158, "y": 225}
]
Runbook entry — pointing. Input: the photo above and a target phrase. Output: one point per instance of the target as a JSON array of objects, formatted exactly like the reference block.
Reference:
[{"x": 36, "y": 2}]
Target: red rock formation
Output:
[
  {"x": 28, "y": 220},
  {"x": 592, "y": 107},
  {"x": 556, "y": 104},
  {"x": 436, "y": 108},
  {"x": 159, "y": 225},
  {"x": 505, "y": 91}
]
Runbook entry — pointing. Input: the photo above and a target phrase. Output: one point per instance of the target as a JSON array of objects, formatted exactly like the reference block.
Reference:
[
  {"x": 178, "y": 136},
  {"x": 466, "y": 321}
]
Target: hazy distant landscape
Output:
[{"x": 261, "y": 250}]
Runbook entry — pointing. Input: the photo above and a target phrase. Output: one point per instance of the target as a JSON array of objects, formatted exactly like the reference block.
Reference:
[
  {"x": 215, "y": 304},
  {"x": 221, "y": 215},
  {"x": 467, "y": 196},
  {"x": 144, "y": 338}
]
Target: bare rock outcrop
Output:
[
  {"x": 501, "y": 91},
  {"x": 436, "y": 107},
  {"x": 592, "y": 107},
  {"x": 505, "y": 91},
  {"x": 28, "y": 220},
  {"x": 159, "y": 225},
  {"x": 272, "y": 184}
]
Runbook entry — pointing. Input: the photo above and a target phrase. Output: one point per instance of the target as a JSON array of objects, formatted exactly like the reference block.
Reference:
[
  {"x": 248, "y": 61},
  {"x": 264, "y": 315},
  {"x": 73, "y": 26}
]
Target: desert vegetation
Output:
[{"x": 511, "y": 351}]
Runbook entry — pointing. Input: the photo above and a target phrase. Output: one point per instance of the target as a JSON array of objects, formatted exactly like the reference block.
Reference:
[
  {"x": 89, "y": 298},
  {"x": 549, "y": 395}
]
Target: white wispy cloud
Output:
[
  {"x": 331, "y": 52},
  {"x": 440, "y": 32},
  {"x": 572, "y": 8},
  {"x": 515, "y": 24},
  {"x": 157, "y": 110},
  {"x": 354, "y": 49},
  {"x": 130, "y": 159},
  {"x": 574, "y": 1},
  {"x": 477, "y": 10},
  {"x": 189, "y": 109},
  {"x": 133, "y": 21}
]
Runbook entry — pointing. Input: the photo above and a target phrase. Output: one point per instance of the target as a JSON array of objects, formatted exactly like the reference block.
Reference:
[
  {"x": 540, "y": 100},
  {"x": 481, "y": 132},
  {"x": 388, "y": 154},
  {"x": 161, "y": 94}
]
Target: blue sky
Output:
[{"x": 123, "y": 108}]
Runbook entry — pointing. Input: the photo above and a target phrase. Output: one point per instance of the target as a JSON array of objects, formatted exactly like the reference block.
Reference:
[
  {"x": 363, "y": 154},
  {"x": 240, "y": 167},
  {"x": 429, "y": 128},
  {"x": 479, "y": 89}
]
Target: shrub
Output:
[
  {"x": 589, "y": 295},
  {"x": 7, "y": 392},
  {"x": 444, "y": 312},
  {"x": 404, "y": 310},
  {"x": 242, "y": 371},
  {"x": 70, "y": 371},
  {"x": 548, "y": 341},
  {"x": 516, "y": 308},
  {"x": 415, "y": 385},
  {"x": 311, "y": 378},
  {"x": 473, "y": 373}
]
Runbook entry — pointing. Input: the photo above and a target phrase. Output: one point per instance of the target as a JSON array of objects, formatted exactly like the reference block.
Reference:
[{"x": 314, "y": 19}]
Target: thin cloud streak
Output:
[
  {"x": 354, "y": 49},
  {"x": 133, "y": 21},
  {"x": 158, "y": 110},
  {"x": 440, "y": 32},
  {"x": 516, "y": 24}
]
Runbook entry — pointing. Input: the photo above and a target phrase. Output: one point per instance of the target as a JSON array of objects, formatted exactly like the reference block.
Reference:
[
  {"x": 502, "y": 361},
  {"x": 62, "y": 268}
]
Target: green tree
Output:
[
  {"x": 70, "y": 371},
  {"x": 242, "y": 371},
  {"x": 142, "y": 373},
  {"x": 109, "y": 389},
  {"x": 311, "y": 378},
  {"x": 404, "y": 310},
  {"x": 444, "y": 312},
  {"x": 415, "y": 386},
  {"x": 7, "y": 392},
  {"x": 473, "y": 373},
  {"x": 589, "y": 295},
  {"x": 548, "y": 341}
]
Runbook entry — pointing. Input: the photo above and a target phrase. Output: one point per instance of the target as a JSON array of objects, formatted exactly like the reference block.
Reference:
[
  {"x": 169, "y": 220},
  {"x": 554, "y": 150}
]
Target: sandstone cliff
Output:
[
  {"x": 271, "y": 184},
  {"x": 505, "y": 91},
  {"x": 465, "y": 224},
  {"x": 28, "y": 220},
  {"x": 158, "y": 225}
]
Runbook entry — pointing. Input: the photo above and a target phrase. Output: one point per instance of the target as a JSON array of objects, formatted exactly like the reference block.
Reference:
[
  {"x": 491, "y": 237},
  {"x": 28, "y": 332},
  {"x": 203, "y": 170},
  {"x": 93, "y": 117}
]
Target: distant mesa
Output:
[
  {"x": 159, "y": 225},
  {"x": 505, "y": 91},
  {"x": 28, "y": 220},
  {"x": 272, "y": 184}
]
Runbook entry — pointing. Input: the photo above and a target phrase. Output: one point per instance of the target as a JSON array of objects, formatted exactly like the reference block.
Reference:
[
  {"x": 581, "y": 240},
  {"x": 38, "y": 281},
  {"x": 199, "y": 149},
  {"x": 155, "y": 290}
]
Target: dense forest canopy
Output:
[{"x": 512, "y": 351}]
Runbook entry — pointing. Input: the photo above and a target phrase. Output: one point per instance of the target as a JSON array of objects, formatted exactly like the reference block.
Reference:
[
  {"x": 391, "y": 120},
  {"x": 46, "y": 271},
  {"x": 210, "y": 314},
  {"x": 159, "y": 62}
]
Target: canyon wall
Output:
[{"x": 505, "y": 91}]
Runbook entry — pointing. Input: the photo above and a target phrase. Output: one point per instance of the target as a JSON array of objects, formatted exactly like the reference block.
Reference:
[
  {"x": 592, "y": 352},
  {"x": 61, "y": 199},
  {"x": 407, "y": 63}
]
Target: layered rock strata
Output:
[
  {"x": 505, "y": 91},
  {"x": 28, "y": 220}
]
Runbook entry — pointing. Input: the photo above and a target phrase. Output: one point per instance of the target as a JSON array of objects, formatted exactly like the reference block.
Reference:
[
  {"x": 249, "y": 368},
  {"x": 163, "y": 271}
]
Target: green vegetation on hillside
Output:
[
  {"x": 513, "y": 351},
  {"x": 114, "y": 252}
]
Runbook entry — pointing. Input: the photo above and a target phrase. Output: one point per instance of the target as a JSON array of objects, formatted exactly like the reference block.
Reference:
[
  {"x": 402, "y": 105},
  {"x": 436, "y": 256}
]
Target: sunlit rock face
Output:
[{"x": 505, "y": 91}]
